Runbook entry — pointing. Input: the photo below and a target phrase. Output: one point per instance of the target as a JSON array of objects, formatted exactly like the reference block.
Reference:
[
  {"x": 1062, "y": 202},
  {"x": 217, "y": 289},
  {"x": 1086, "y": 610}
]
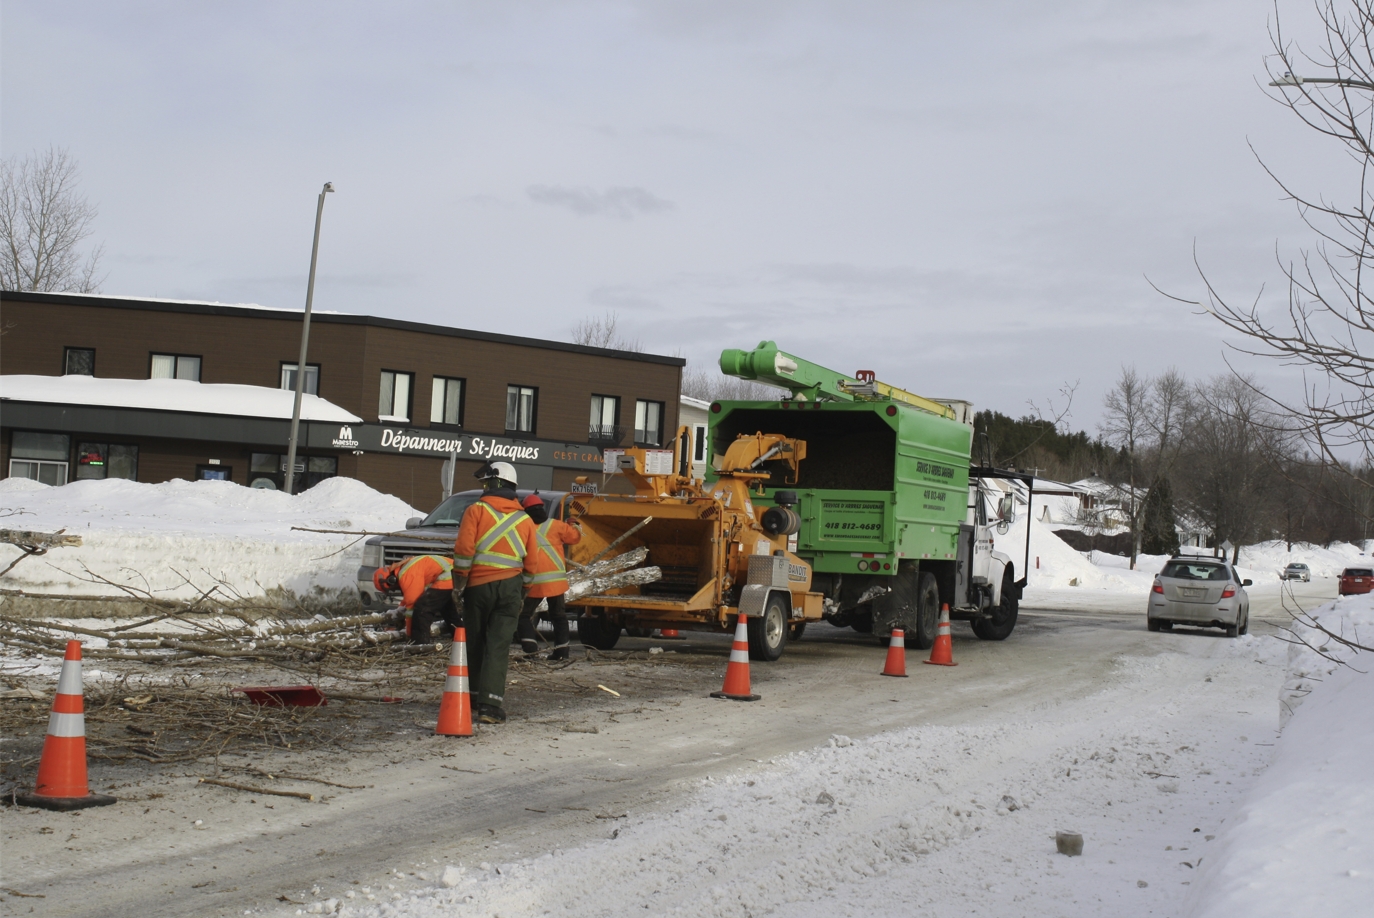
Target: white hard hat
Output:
[{"x": 502, "y": 470}]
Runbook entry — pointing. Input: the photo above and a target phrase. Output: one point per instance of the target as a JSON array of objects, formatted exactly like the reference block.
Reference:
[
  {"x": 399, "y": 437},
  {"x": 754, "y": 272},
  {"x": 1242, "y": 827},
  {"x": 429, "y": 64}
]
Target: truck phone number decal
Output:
[{"x": 851, "y": 519}]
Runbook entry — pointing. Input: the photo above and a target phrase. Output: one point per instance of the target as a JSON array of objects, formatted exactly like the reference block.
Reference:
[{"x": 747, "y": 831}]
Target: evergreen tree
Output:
[{"x": 1158, "y": 531}]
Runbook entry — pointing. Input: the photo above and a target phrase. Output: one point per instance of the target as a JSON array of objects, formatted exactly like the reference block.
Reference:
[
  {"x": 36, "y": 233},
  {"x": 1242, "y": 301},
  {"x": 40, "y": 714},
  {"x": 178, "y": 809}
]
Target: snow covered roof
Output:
[
  {"x": 158, "y": 299},
  {"x": 695, "y": 402},
  {"x": 170, "y": 395}
]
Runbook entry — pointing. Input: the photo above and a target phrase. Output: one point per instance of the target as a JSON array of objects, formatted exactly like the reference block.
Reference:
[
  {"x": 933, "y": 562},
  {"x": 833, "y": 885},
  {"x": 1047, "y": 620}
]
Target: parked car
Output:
[
  {"x": 1296, "y": 571},
  {"x": 1355, "y": 580},
  {"x": 1203, "y": 592},
  {"x": 433, "y": 534}
]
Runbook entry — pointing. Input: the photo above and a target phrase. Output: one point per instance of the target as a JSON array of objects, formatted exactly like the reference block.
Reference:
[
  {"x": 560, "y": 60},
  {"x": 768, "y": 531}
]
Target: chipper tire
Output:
[
  {"x": 597, "y": 632},
  {"x": 768, "y": 632},
  {"x": 1003, "y": 621}
]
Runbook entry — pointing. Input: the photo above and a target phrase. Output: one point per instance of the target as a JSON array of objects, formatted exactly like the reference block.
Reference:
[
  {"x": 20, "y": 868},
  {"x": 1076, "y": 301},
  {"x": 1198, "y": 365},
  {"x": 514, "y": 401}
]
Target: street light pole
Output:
[
  {"x": 1291, "y": 79},
  {"x": 305, "y": 342}
]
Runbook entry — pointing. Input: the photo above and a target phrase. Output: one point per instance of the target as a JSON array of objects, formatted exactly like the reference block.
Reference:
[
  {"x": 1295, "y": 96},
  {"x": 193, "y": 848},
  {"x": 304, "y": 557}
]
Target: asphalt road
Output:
[{"x": 175, "y": 848}]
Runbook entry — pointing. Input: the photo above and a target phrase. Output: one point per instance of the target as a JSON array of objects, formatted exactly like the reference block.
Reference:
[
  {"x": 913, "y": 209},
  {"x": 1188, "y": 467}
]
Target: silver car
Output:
[
  {"x": 1297, "y": 571},
  {"x": 1202, "y": 592}
]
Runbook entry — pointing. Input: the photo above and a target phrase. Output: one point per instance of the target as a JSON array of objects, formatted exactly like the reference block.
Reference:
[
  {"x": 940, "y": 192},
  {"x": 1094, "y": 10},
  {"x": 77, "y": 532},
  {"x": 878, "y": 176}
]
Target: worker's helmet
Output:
[
  {"x": 385, "y": 579},
  {"x": 501, "y": 470},
  {"x": 534, "y": 500}
]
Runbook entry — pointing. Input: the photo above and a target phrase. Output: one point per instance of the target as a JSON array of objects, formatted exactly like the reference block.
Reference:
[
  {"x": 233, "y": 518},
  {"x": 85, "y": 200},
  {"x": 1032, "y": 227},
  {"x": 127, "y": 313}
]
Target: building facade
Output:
[{"x": 422, "y": 393}]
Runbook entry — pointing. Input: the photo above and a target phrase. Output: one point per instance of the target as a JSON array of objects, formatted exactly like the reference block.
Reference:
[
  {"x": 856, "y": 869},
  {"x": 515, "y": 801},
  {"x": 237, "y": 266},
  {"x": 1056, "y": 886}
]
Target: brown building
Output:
[{"x": 419, "y": 393}]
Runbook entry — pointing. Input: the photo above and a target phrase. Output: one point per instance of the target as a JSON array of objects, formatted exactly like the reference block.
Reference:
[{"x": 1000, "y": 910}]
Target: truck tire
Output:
[
  {"x": 597, "y": 632},
  {"x": 922, "y": 637},
  {"x": 999, "y": 626},
  {"x": 768, "y": 632}
]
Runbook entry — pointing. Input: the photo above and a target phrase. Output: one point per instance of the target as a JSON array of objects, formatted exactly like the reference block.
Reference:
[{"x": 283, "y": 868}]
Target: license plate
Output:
[{"x": 1192, "y": 593}]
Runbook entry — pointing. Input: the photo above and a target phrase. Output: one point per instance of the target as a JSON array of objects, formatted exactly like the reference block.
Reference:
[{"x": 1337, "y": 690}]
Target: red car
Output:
[{"x": 1356, "y": 580}]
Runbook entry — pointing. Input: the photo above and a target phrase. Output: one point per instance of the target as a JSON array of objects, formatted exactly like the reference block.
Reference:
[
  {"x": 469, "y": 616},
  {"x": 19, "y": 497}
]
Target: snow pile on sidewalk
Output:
[
  {"x": 1054, "y": 564},
  {"x": 1268, "y": 559},
  {"x": 1302, "y": 843},
  {"x": 178, "y": 538}
]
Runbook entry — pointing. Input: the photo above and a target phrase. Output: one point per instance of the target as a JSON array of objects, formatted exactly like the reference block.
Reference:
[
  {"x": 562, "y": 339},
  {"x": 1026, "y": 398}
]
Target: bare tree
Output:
[
  {"x": 604, "y": 331},
  {"x": 711, "y": 385},
  {"x": 1125, "y": 425},
  {"x": 43, "y": 219}
]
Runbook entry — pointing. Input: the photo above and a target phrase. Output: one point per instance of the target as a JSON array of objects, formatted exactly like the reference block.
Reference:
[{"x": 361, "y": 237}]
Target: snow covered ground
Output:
[{"x": 178, "y": 538}]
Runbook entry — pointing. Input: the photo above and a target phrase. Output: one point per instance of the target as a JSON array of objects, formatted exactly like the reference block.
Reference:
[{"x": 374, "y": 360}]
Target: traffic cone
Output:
[
  {"x": 942, "y": 653},
  {"x": 455, "y": 710},
  {"x": 62, "y": 781},
  {"x": 896, "y": 655},
  {"x": 671, "y": 634},
  {"x": 736, "y": 686}
]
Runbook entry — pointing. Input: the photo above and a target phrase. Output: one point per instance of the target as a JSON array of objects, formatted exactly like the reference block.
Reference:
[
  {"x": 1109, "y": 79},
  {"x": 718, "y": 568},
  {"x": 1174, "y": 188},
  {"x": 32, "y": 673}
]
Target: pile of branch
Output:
[{"x": 610, "y": 574}]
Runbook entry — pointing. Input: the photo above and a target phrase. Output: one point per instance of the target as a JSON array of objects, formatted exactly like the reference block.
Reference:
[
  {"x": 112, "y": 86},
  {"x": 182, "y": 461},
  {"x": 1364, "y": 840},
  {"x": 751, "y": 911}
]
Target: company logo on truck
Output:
[{"x": 934, "y": 469}]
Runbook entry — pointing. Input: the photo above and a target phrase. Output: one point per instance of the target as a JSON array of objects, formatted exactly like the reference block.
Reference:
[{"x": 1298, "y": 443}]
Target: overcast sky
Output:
[{"x": 966, "y": 198}]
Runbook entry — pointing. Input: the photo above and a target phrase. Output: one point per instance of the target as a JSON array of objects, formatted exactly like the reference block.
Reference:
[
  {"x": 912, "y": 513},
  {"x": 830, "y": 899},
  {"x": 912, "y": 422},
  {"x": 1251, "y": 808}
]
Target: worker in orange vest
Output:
[
  {"x": 426, "y": 585},
  {"x": 494, "y": 560},
  {"x": 551, "y": 581}
]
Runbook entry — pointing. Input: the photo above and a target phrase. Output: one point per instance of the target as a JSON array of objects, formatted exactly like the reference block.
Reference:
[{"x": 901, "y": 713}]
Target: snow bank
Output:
[
  {"x": 1302, "y": 843},
  {"x": 1054, "y": 564},
  {"x": 180, "y": 537},
  {"x": 171, "y": 395}
]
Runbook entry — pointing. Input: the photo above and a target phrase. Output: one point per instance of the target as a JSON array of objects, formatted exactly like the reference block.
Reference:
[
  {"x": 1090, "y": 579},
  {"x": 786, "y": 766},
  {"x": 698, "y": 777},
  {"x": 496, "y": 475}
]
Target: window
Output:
[
  {"x": 648, "y": 423},
  {"x": 106, "y": 460},
  {"x": 39, "y": 456},
  {"x": 394, "y": 402},
  {"x": 174, "y": 366},
  {"x": 268, "y": 470},
  {"x": 214, "y": 473},
  {"x": 699, "y": 443},
  {"x": 312, "y": 377},
  {"x": 446, "y": 407},
  {"x": 78, "y": 361},
  {"x": 520, "y": 405},
  {"x": 604, "y": 420}
]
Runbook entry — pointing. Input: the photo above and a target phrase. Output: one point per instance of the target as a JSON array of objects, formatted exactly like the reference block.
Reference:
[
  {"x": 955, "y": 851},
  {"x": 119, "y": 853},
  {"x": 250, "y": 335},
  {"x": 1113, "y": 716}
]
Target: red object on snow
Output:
[
  {"x": 1356, "y": 580},
  {"x": 284, "y": 696}
]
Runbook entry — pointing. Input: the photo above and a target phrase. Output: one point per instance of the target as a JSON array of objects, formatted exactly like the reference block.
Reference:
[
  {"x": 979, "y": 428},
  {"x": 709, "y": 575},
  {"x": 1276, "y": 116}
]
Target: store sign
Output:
[{"x": 409, "y": 441}]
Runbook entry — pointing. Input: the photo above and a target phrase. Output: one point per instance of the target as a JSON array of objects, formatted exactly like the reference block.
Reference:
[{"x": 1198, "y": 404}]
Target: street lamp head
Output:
[
  {"x": 1288, "y": 79},
  {"x": 328, "y": 187}
]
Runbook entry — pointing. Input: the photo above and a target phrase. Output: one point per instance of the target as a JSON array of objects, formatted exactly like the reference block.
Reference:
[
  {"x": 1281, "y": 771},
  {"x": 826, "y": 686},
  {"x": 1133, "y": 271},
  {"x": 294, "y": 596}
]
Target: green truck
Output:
[{"x": 890, "y": 512}]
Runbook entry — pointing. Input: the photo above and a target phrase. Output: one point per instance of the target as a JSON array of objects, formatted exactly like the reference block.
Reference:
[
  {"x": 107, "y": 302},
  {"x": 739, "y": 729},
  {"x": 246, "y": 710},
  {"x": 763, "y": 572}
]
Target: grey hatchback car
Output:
[{"x": 1202, "y": 592}]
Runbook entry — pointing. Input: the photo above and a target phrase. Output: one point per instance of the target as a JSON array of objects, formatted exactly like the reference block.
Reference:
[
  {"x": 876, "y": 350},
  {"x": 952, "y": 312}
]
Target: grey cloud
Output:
[{"x": 616, "y": 201}]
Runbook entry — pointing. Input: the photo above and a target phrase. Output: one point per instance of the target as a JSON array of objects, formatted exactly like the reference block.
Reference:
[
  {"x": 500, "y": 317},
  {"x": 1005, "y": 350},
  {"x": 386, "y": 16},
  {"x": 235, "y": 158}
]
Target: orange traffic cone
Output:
[
  {"x": 942, "y": 653},
  {"x": 896, "y": 655},
  {"x": 671, "y": 634},
  {"x": 62, "y": 781},
  {"x": 455, "y": 710},
  {"x": 736, "y": 686}
]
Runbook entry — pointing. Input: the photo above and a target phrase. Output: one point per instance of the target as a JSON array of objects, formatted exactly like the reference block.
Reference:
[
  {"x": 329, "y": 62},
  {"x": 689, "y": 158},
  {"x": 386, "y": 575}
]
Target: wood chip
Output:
[{"x": 612, "y": 691}]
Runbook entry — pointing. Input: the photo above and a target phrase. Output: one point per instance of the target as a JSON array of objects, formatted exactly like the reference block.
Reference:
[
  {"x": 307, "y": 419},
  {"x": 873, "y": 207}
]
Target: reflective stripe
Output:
[
  {"x": 542, "y": 534},
  {"x": 67, "y": 725},
  {"x": 69, "y": 683},
  {"x": 462, "y": 563},
  {"x": 739, "y": 656},
  {"x": 444, "y": 563},
  {"x": 549, "y": 577},
  {"x": 486, "y": 552},
  {"x": 456, "y": 684}
]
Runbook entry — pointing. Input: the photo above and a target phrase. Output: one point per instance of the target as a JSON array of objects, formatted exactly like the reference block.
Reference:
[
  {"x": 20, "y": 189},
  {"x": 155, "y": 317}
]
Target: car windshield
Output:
[
  {"x": 1297, "y": 567},
  {"x": 1184, "y": 570},
  {"x": 450, "y": 512},
  {"x": 1358, "y": 572}
]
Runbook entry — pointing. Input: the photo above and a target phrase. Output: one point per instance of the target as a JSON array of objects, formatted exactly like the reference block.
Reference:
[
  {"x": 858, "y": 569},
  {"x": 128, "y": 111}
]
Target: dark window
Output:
[
  {"x": 393, "y": 403},
  {"x": 106, "y": 460},
  {"x": 268, "y": 470},
  {"x": 39, "y": 456},
  {"x": 312, "y": 377},
  {"x": 78, "y": 361},
  {"x": 214, "y": 473},
  {"x": 605, "y": 420},
  {"x": 174, "y": 366},
  {"x": 648, "y": 423},
  {"x": 520, "y": 408},
  {"x": 699, "y": 443},
  {"x": 446, "y": 406},
  {"x": 1186, "y": 570}
]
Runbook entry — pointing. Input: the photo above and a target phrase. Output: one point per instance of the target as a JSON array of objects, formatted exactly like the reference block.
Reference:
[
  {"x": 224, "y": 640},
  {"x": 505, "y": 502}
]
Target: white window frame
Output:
[
  {"x": 67, "y": 360},
  {"x": 699, "y": 443},
  {"x": 642, "y": 412},
  {"x": 181, "y": 363},
  {"x": 440, "y": 398},
  {"x": 37, "y": 469},
  {"x": 601, "y": 427},
  {"x": 312, "y": 377},
  {"x": 523, "y": 410},
  {"x": 387, "y": 396}
]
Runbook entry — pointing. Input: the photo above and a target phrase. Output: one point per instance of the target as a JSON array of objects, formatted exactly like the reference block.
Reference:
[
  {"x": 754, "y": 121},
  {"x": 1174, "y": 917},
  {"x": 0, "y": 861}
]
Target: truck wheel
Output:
[
  {"x": 1003, "y": 621},
  {"x": 922, "y": 637},
  {"x": 768, "y": 632},
  {"x": 597, "y": 632}
]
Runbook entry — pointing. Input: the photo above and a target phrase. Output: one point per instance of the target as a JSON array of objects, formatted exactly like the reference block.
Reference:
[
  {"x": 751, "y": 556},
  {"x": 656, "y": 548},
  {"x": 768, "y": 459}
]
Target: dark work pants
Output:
[
  {"x": 557, "y": 614},
  {"x": 432, "y": 606},
  {"x": 490, "y": 613}
]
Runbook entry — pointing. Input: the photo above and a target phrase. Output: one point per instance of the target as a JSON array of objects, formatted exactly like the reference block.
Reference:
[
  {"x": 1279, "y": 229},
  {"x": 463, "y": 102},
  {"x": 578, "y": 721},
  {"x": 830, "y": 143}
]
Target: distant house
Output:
[{"x": 692, "y": 413}]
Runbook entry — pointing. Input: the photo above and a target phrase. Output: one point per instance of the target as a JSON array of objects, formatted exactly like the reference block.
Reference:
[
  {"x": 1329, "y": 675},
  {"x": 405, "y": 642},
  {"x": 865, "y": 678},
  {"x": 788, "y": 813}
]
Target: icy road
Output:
[{"x": 839, "y": 793}]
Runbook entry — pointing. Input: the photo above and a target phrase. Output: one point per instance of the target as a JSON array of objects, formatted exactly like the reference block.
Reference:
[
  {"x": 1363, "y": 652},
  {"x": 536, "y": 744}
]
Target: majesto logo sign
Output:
[{"x": 345, "y": 439}]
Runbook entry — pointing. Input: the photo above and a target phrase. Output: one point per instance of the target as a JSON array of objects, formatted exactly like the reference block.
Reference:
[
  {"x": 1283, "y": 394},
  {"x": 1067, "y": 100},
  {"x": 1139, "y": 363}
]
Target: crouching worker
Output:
[
  {"x": 550, "y": 581},
  {"x": 493, "y": 559},
  {"x": 426, "y": 585}
]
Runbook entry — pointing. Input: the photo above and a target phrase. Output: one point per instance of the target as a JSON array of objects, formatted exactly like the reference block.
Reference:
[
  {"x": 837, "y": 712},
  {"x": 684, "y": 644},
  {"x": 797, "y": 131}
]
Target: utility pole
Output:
[{"x": 305, "y": 343}]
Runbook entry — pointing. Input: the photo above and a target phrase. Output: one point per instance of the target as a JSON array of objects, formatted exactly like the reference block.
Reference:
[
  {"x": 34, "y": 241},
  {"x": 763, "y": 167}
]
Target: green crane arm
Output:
[{"x": 811, "y": 382}]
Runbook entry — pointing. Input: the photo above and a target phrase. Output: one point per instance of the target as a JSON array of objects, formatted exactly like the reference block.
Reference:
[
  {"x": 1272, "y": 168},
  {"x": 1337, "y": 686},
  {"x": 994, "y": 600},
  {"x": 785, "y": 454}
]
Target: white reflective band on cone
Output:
[
  {"x": 456, "y": 684},
  {"x": 739, "y": 656},
  {"x": 66, "y": 725},
  {"x": 69, "y": 683}
]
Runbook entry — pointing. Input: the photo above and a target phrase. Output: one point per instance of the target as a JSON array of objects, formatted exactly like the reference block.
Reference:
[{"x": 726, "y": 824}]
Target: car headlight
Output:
[{"x": 372, "y": 555}]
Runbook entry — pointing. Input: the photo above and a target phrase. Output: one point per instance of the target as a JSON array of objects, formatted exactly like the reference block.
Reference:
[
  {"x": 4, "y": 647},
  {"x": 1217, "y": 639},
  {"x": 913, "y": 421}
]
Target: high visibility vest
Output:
[
  {"x": 496, "y": 547},
  {"x": 442, "y": 582},
  {"x": 551, "y": 578}
]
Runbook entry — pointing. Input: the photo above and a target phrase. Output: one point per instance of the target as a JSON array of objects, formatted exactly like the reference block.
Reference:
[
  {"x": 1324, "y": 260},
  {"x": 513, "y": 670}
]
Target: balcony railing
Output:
[{"x": 605, "y": 434}]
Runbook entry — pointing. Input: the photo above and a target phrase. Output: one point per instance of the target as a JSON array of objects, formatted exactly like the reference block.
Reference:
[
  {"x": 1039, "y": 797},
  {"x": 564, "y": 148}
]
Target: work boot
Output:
[
  {"x": 530, "y": 648},
  {"x": 560, "y": 652},
  {"x": 490, "y": 714}
]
